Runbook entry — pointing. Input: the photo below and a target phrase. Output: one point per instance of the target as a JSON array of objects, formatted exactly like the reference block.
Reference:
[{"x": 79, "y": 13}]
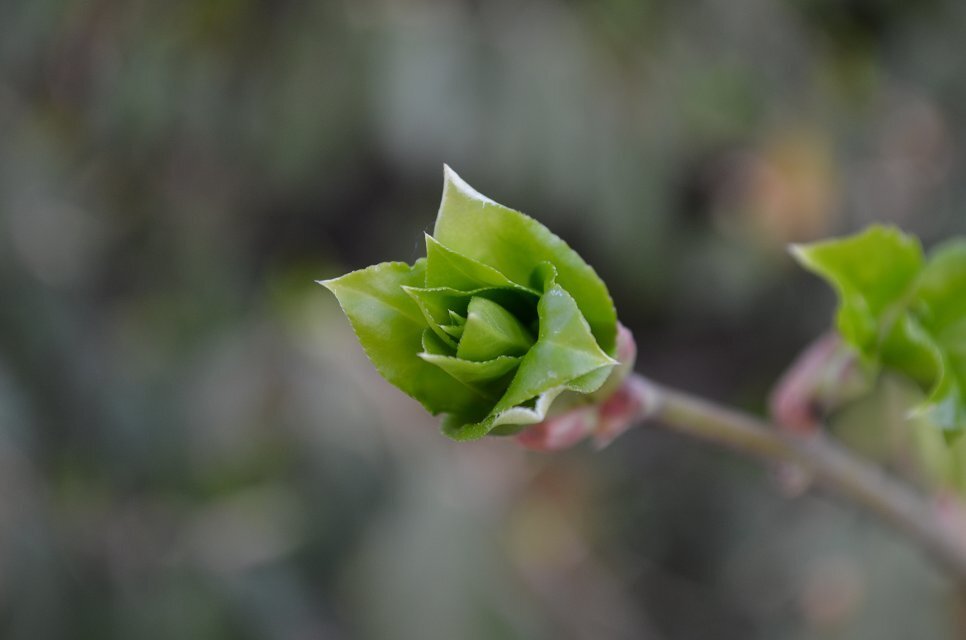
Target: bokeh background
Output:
[{"x": 192, "y": 444}]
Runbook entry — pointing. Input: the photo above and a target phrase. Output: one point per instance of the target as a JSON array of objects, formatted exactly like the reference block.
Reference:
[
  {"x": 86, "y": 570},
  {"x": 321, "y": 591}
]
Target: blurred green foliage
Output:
[{"x": 191, "y": 443}]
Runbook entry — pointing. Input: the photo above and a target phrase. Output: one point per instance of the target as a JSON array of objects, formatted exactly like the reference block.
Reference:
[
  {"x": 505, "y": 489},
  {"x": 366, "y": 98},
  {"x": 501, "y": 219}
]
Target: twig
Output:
[{"x": 830, "y": 465}]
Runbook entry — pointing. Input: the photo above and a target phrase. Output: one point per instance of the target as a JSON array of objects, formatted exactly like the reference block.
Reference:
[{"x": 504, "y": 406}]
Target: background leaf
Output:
[
  {"x": 871, "y": 271},
  {"x": 940, "y": 303},
  {"x": 901, "y": 312}
]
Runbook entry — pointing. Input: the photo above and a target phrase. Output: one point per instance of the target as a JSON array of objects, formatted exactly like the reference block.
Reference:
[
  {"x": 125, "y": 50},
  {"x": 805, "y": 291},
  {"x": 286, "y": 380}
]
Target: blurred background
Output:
[{"x": 192, "y": 444}]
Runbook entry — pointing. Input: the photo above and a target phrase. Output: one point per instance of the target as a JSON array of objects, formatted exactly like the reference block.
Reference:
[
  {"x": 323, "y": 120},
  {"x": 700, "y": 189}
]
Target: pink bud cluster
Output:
[{"x": 826, "y": 375}]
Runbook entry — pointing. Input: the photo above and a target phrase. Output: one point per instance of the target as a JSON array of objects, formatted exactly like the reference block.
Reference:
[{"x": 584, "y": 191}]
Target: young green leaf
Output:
[
  {"x": 474, "y": 226},
  {"x": 439, "y": 304},
  {"x": 390, "y": 327},
  {"x": 940, "y": 305},
  {"x": 565, "y": 357},
  {"x": 447, "y": 269},
  {"x": 902, "y": 311},
  {"x": 491, "y": 331},
  {"x": 498, "y": 320},
  {"x": 872, "y": 272}
]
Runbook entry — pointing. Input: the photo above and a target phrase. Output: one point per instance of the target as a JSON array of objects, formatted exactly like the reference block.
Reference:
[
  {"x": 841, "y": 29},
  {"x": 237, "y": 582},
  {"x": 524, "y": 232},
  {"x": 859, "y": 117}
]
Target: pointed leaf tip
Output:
[
  {"x": 451, "y": 179},
  {"x": 798, "y": 251}
]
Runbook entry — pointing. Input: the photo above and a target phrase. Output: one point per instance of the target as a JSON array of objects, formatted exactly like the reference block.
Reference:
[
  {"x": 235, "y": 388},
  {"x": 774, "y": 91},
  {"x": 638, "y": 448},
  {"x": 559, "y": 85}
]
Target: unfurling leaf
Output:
[
  {"x": 499, "y": 320},
  {"x": 902, "y": 311}
]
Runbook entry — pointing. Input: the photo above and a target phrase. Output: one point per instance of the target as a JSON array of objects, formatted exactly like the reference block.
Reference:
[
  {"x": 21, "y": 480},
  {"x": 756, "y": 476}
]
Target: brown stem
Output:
[{"x": 829, "y": 464}]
